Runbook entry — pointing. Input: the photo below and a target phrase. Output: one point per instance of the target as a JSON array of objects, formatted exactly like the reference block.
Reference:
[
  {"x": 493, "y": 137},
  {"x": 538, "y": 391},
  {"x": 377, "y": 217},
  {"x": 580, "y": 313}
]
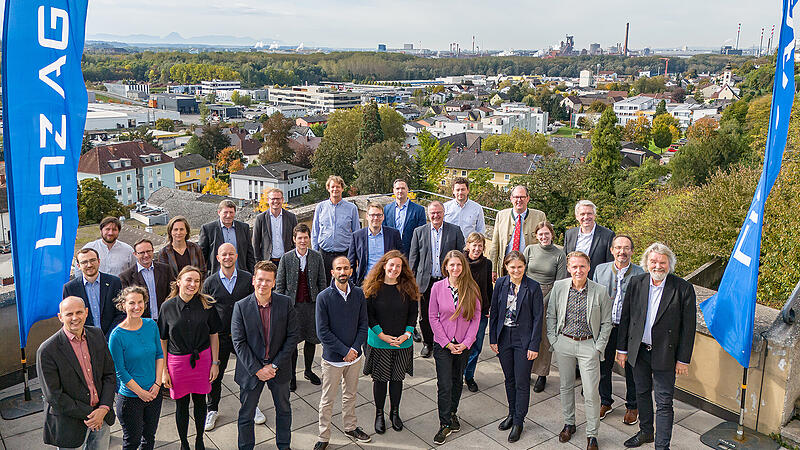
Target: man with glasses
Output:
[
  {"x": 151, "y": 275},
  {"x": 272, "y": 232},
  {"x": 514, "y": 228},
  {"x": 98, "y": 291},
  {"x": 371, "y": 242}
]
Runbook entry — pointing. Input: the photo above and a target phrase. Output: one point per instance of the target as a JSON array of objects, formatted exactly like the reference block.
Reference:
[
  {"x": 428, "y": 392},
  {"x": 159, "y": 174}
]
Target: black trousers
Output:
[
  {"x": 449, "y": 381},
  {"x": 327, "y": 260},
  {"x": 283, "y": 414},
  {"x": 139, "y": 421},
  {"x": 225, "y": 350},
  {"x": 662, "y": 384},
  {"x": 517, "y": 372},
  {"x": 606, "y": 368},
  {"x": 424, "y": 323}
]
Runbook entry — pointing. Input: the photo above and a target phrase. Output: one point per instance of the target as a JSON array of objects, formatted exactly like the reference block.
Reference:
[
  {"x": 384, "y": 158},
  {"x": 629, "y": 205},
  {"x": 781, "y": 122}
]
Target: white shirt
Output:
[
  {"x": 276, "y": 224},
  {"x": 343, "y": 363},
  {"x": 113, "y": 261},
  {"x": 468, "y": 217},
  {"x": 653, "y": 301},
  {"x": 616, "y": 311},
  {"x": 584, "y": 242},
  {"x": 436, "y": 250},
  {"x": 303, "y": 259}
]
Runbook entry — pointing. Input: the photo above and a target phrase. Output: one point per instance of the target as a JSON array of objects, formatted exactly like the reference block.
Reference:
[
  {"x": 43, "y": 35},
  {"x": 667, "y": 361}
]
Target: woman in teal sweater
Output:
[{"x": 392, "y": 308}]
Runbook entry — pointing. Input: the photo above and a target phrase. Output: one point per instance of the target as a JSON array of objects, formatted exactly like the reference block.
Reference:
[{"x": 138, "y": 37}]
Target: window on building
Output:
[
  {"x": 208, "y": 169},
  {"x": 129, "y": 177},
  {"x": 119, "y": 191},
  {"x": 119, "y": 179},
  {"x": 463, "y": 173},
  {"x": 151, "y": 185},
  {"x": 188, "y": 173},
  {"x": 129, "y": 190},
  {"x": 507, "y": 177},
  {"x": 159, "y": 184},
  {"x": 158, "y": 171},
  {"x": 197, "y": 172},
  {"x": 151, "y": 173}
]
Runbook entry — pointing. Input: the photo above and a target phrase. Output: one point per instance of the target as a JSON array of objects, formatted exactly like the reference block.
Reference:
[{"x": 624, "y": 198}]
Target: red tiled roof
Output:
[{"x": 96, "y": 160}]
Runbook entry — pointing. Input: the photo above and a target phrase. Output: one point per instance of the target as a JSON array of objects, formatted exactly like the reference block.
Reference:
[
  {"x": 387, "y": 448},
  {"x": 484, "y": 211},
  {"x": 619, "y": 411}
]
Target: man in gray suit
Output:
[
  {"x": 301, "y": 276},
  {"x": 428, "y": 246},
  {"x": 578, "y": 325},
  {"x": 272, "y": 232},
  {"x": 616, "y": 276},
  {"x": 227, "y": 229},
  {"x": 589, "y": 238}
]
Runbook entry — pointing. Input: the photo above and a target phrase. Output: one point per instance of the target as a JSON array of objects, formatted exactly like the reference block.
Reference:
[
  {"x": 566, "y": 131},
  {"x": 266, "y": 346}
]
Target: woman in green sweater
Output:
[
  {"x": 547, "y": 263},
  {"x": 392, "y": 309}
]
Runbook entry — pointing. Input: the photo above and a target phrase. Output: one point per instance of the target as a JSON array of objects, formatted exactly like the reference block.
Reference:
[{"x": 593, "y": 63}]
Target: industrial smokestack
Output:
[
  {"x": 473, "y": 44},
  {"x": 769, "y": 44},
  {"x": 761, "y": 43},
  {"x": 625, "y": 49},
  {"x": 738, "y": 32}
]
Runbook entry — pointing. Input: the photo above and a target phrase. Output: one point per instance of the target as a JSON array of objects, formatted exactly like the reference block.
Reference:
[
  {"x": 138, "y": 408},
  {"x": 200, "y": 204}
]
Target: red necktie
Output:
[{"x": 517, "y": 232}]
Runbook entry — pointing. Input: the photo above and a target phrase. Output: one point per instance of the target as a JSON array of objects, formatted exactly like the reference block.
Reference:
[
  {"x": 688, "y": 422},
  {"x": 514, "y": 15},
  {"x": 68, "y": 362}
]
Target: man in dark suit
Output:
[
  {"x": 149, "y": 274},
  {"x": 226, "y": 229},
  {"x": 264, "y": 333},
  {"x": 227, "y": 287},
  {"x": 656, "y": 336},
  {"x": 272, "y": 232},
  {"x": 98, "y": 291},
  {"x": 371, "y": 242},
  {"x": 403, "y": 214},
  {"x": 78, "y": 382},
  {"x": 429, "y": 245},
  {"x": 589, "y": 238}
]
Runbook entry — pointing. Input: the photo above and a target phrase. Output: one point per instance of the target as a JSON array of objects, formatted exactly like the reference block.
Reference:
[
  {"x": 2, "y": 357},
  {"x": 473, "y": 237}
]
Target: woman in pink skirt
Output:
[{"x": 189, "y": 323}]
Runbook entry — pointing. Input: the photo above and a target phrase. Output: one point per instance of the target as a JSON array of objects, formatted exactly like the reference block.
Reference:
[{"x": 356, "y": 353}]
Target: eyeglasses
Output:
[
  {"x": 145, "y": 252},
  {"x": 375, "y": 215},
  {"x": 86, "y": 262},
  {"x": 517, "y": 197}
]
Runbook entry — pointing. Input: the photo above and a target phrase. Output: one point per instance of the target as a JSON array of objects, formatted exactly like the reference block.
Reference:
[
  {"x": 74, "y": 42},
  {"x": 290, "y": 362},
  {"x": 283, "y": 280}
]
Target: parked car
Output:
[{"x": 5, "y": 248}]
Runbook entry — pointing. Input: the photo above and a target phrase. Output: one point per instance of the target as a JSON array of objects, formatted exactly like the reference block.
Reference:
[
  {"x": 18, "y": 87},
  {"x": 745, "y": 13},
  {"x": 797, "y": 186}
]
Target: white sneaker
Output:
[
  {"x": 211, "y": 420},
  {"x": 259, "y": 419}
]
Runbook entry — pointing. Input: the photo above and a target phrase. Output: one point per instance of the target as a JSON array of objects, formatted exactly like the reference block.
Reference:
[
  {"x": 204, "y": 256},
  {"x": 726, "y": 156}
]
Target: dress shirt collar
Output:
[
  {"x": 580, "y": 231},
  {"x": 581, "y": 290},
  {"x": 140, "y": 267},
  {"x": 341, "y": 292},
  {"x": 621, "y": 271},
  {"x": 232, "y": 227},
  {"x": 96, "y": 280},
  {"x": 273, "y": 216},
  {"x": 232, "y": 278},
  {"x": 297, "y": 252},
  {"x": 514, "y": 214},
  {"x": 659, "y": 286},
  {"x": 73, "y": 337},
  {"x": 399, "y": 205},
  {"x": 379, "y": 233},
  {"x": 437, "y": 230}
]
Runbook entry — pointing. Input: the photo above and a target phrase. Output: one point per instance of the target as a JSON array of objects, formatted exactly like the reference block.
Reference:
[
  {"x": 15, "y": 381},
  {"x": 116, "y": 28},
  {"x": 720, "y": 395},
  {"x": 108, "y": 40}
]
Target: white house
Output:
[
  {"x": 628, "y": 109},
  {"x": 249, "y": 183}
]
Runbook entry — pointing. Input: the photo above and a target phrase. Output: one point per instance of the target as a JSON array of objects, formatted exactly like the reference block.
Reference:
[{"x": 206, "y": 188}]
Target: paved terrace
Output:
[{"x": 479, "y": 413}]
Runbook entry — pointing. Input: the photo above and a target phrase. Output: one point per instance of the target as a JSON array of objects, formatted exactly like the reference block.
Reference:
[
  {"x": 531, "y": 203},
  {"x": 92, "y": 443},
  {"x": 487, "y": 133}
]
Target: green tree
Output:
[
  {"x": 239, "y": 99},
  {"x": 392, "y": 124},
  {"x": 96, "y": 201},
  {"x": 661, "y": 108},
  {"x": 140, "y": 133},
  {"x": 276, "y": 139},
  {"x": 86, "y": 145},
  {"x": 638, "y": 131},
  {"x": 212, "y": 141},
  {"x": 662, "y": 136},
  {"x": 370, "y": 131},
  {"x": 605, "y": 159},
  {"x": 318, "y": 129},
  {"x": 431, "y": 157},
  {"x": 165, "y": 124},
  {"x": 702, "y": 156},
  {"x": 382, "y": 163},
  {"x": 597, "y": 106},
  {"x": 519, "y": 141}
]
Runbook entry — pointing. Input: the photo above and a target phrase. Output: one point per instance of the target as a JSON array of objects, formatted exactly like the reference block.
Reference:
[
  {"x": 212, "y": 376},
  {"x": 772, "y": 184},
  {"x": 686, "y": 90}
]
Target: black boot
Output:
[
  {"x": 394, "y": 416},
  {"x": 380, "y": 422}
]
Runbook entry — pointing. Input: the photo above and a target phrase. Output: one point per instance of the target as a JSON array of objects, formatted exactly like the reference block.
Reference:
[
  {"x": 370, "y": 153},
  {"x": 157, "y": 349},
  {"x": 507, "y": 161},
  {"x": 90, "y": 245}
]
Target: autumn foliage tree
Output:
[
  {"x": 276, "y": 139},
  {"x": 638, "y": 131},
  {"x": 230, "y": 160},
  {"x": 216, "y": 186}
]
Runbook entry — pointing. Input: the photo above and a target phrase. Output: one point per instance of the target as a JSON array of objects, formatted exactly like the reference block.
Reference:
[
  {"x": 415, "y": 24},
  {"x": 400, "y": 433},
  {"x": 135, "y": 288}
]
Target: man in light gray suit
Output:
[
  {"x": 428, "y": 246},
  {"x": 272, "y": 231},
  {"x": 616, "y": 276},
  {"x": 578, "y": 325},
  {"x": 301, "y": 276}
]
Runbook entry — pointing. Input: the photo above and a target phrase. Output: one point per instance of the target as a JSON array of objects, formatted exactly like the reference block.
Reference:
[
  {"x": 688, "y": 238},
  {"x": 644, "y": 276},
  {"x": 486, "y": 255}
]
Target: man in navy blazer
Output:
[
  {"x": 371, "y": 242},
  {"x": 103, "y": 313},
  {"x": 264, "y": 334},
  {"x": 403, "y": 214}
]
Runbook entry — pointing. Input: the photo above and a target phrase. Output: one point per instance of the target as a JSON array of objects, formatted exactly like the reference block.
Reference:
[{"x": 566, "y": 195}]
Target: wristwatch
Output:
[
  {"x": 274, "y": 366},
  {"x": 216, "y": 363}
]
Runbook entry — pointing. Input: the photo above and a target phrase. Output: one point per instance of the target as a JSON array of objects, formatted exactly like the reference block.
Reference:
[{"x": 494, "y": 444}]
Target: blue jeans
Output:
[
  {"x": 475, "y": 351},
  {"x": 95, "y": 440}
]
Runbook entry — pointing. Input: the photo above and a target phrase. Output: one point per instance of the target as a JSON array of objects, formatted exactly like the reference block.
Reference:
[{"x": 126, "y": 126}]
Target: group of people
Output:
[{"x": 138, "y": 327}]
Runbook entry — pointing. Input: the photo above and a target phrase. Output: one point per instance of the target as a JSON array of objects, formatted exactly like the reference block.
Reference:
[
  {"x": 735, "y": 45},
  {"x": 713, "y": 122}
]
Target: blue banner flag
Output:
[
  {"x": 44, "y": 112},
  {"x": 730, "y": 313}
]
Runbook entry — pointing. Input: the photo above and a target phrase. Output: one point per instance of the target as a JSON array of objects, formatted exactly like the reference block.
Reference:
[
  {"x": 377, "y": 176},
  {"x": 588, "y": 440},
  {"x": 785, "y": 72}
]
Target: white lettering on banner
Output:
[
  {"x": 788, "y": 52},
  {"x": 45, "y": 125},
  {"x": 738, "y": 254}
]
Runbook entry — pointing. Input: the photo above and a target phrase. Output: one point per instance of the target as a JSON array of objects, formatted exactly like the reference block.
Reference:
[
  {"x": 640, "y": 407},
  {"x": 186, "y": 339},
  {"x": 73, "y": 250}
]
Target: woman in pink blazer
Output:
[{"x": 454, "y": 314}]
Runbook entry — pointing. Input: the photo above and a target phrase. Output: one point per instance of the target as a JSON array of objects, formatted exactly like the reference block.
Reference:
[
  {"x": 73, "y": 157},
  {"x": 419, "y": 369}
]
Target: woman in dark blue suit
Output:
[{"x": 515, "y": 330}]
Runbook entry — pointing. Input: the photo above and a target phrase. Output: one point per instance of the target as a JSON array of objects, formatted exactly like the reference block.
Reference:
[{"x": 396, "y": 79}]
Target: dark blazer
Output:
[
  {"x": 196, "y": 257},
  {"x": 211, "y": 238},
  {"x": 262, "y": 234},
  {"x": 110, "y": 286},
  {"x": 66, "y": 394},
  {"x": 289, "y": 270},
  {"x": 420, "y": 255},
  {"x": 359, "y": 250},
  {"x": 247, "y": 334},
  {"x": 530, "y": 311},
  {"x": 225, "y": 300},
  {"x": 674, "y": 326},
  {"x": 599, "y": 252},
  {"x": 163, "y": 275},
  {"x": 415, "y": 217}
]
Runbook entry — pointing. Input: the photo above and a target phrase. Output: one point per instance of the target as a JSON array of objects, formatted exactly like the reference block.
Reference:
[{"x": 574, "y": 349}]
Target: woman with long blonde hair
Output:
[
  {"x": 454, "y": 314},
  {"x": 189, "y": 324}
]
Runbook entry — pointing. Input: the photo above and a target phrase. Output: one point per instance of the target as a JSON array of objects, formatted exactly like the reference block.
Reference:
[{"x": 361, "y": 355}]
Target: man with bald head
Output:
[
  {"x": 227, "y": 286},
  {"x": 428, "y": 246},
  {"x": 78, "y": 382}
]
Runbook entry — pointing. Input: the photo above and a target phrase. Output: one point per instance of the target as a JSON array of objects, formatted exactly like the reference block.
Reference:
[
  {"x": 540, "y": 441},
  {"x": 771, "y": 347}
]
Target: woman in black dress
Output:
[{"x": 179, "y": 251}]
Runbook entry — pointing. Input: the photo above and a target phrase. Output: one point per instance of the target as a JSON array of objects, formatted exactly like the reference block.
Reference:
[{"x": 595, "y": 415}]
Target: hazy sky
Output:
[{"x": 511, "y": 24}]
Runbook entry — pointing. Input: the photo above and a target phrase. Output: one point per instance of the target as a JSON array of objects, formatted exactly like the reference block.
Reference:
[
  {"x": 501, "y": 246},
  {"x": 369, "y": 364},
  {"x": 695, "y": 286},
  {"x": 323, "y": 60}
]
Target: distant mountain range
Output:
[{"x": 176, "y": 38}]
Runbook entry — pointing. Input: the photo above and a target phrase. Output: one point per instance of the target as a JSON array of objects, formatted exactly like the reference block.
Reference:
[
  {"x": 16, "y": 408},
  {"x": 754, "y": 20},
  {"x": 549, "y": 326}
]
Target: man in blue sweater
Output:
[{"x": 342, "y": 329}]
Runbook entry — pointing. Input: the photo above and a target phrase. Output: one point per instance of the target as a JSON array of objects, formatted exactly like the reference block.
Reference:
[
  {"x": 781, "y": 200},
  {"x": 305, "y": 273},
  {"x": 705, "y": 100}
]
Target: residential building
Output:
[
  {"x": 586, "y": 79},
  {"x": 214, "y": 86},
  {"x": 630, "y": 108},
  {"x": 574, "y": 149},
  {"x": 315, "y": 98},
  {"x": 243, "y": 141},
  {"x": 133, "y": 170},
  {"x": 300, "y": 132},
  {"x": 504, "y": 165},
  {"x": 307, "y": 121},
  {"x": 289, "y": 111},
  {"x": 192, "y": 172},
  {"x": 250, "y": 183},
  {"x": 408, "y": 113}
]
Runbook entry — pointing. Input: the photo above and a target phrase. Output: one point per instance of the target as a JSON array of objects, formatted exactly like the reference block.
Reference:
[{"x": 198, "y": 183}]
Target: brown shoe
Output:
[
  {"x": 631, "y": 417},
  {"x": 604, "y": 409},
  {"x": 566, "y": 433},
  {"x": 591, "y": 443}
]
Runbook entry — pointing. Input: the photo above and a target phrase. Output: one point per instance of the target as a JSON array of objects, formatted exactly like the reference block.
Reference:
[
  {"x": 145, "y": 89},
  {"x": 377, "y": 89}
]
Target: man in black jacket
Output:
[
  {"x": 103, "y": 288},
  {"x": 227, "y": 287},
  {"x": 78, "y": 382},
  {"x": 152, "y": 275},
  {"x": 226, "y": 229},
  {"x": 589, "y": 237},
  {"x": 272, "y": 232},
  {"x": 264, "y": 333},
  {"x": 656, "y": 336}
]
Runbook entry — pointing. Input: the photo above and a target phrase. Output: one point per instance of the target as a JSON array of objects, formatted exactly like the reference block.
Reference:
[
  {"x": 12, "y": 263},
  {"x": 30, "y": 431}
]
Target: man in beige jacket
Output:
[{"x": 518, "y": 219}]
